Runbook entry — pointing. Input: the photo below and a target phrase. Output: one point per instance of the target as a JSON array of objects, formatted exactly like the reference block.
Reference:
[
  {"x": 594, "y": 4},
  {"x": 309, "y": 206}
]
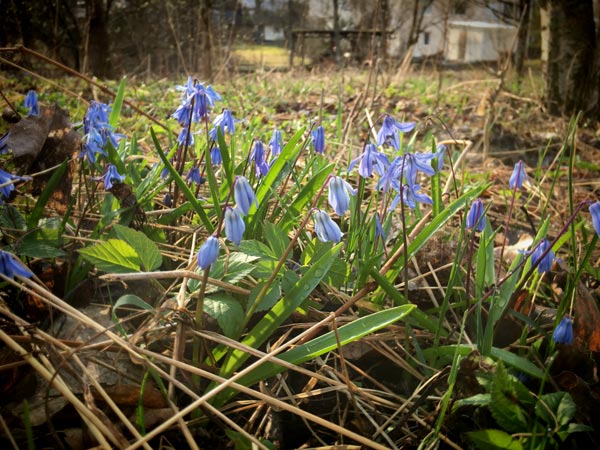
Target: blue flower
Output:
[
  {"x": 389, "y": 131},
  {"x": 194, "y": 176},
  {"x": 110, "y": 175},
  {"x": 417, "y": 161},
  {"x": 379, "y": 231},
  {"x": 318, "y": 139},
  {"x": 476, "y": 217},
  {"x": 226, "y": 122},
  {"x": 276, "y": 142},
  {"x": 370, "y": 160},
  {"x": 215, "y": 156},
  {"x": 518, "y": 176},
  {"x": 259, "y": 158},
  {"x": 199, "y": 98},
  {"x": 183, "y": 114},
  {"x": 339, "y": 195},
  {"x": 325, "y": 228},
  {"x": 208, "y": 253},
  {"x": 31, "y": 102},
  {"x": 97, "y": 132},
  {"x": 234, "y": 225},
  {"x": 595, "y": 213},
  {"x": 4, "y": 144},
  {"x": 544, "y": 264},
  {"x": 410, "y": 197},
  {"x": 244, "y": 195},
  {"x": 5, "y": 177},
  {"x": 185, "y": 137},
  {"x": 168, "y": 200},
  {"x": 563, "y": 333},
  {"x": 10, "y": 266}
]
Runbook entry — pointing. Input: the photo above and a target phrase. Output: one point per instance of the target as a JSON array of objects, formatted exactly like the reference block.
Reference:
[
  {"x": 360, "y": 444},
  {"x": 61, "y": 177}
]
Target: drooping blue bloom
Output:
[
  {"x": 183, "y": 114},
  {"x": 390, "y": 129},
  {"x": 339, "y": 195},
  {"x": 544, "y": 264},
  {"x": 475, "y": 216},
  {"x": 595, "y": 213},
  {"x": 111, "y": 174},
  {"x": 5, "y": 177},
  {"x": 259, "y": 158},
  {"x": 325, "y": 228},
  {"x": 185, "y": 137},
  {"x": 417, "y": 161},
  {"x": 164, "y": 173},
  {"x": 563, "y": 333},
  {"x": 370, "y": 160},
  {"x": 226, "y": 122},
  {"x": 215, "y": 156},
  {"x": 31, "y": 102},
  {"x": 234, "y": 225},
  {"x": 194, "y": 176},
  {"x": 410, "y": 196},
  {"x": 440, "y": 155},
  {"x": 4, "y": 144},
  {"x": 518, "y": 176},
  {"x": 243, "y": 195},
  {"x": 97, "y": 132},
  {"x": 10, "y": 266},
  {"x": 318, "y": 139},
  {"x": 276, "y": 142},
  {"x": 199, "y": 98},
  {"x": 168, "y": 200},
  {"x": 379, "y": 231},
  {"x": 208, "y": 253}
]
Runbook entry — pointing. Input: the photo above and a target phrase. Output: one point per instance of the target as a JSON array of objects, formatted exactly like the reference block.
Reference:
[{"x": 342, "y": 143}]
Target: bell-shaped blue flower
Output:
[
  {"x": 518, "y": 176},
  {"x": 390, "y": 129},
  {"x": 339, "y": 195},
  {"x": 194, "y": 176},
  {"x": 243, "y": 195},
  {"x": 216, "y": 158},
  {"x": 595, "y": 213},
  {"x": 111, "y": 174},
  {"x": 234, "y": 225},
  {"x": 185, "y": 136},
  {"x": 9, "y": 266},
  {"x": 168, "y": 200},
  {"x": 276, "y": 142},
  {"x": 544, "y": 263},
  {"x": 410, "y": 196},
  {"x": 379, "y": 231},
  {"x": 475, "y": 216},
  {"x": 318, "y": 139},
  {"x": 325, "y": 228},
  {"x": 208, "y": 253},
  {"x": 259, "y": 158},
  {"x": 5, "y": 177},
  {"x": 370, "y": 160},
  {"x": 31, "y": 102},
  {"x": 563, "y": 333},
  {"x": 226, "y": 122}
]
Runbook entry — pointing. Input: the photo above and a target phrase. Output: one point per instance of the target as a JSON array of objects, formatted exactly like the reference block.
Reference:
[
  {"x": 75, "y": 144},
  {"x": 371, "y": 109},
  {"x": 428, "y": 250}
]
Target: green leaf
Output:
[
  {"x": 323, "y": 344},
  {"x": 556, "y": 408},
  {"x": 145, "y": 248},
  {"x": 474, "y": 400},
  {"x": 129, "y": 300},
  {"x": 494, "y": 440},
  {"x": 226, "y": 311},
  {"x": 113, "y": 255},
  {"x": 37, "y": 248},
  {"x": 504, "y": 404},
  {"x": 38, "y": 210},
  {"x": 117, "y": 105},
  {"x": 272, "y": 296},
  {"x": 277, "y": 239},
  {"x": 282, "y": 309},
  {"x": 10, "y": 217}
]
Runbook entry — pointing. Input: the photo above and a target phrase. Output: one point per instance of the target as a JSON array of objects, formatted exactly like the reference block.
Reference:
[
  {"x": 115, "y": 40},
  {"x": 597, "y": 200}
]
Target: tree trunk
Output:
[
  {"x": 573, "y": 65},
  {"x": 206, "y": 59},
  {"x": 98, "y": 50},
  {"x": 523, "y": 36}
]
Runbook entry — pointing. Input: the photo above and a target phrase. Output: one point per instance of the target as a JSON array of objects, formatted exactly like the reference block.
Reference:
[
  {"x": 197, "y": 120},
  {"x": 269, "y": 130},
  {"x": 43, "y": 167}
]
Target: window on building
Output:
[{"x": 426, "y": 38}]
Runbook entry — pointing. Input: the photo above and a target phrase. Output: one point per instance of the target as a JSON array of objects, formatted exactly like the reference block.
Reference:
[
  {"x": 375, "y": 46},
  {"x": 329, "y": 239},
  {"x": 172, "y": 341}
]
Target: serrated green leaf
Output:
[
  {"x": 146, "y": 249},
  {"x": 113, "y": 255},
  {"x": 494, "y": 440},
  {"x": 226, "y": 311},
  {"x": 504, "y": 405},
  {"x": 556, "y": 408},
  {"x": 34, "y": 248},
  {"x": 10, "y": 217},
  {"x": 277, "y": 239}
]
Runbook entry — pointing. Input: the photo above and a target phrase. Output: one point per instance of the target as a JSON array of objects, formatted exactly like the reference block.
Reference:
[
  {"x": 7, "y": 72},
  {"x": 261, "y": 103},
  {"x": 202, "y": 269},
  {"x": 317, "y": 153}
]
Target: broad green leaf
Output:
[
  {"x": 38, "y": 210},
  {"x": 323, "y": 344},
  {"x": 227, "y": 311},
  {"x": 113, "y": 255},
  {"x": 277, "y": 239},
  {"x": 129, "y": 300},
  {"x": 282, "y": 310},
  {"x": 474, "y": 400},
  {"x": 145, "y": 248},
  {"x": 36, "y": 248},
  {"x": 273, "y": 295},
  {"x": 494, "y": 440},
  {"x": 504, "y": 405},
  {"x": 10, "y": 217},
  {"x": 556, "y": 407}
]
